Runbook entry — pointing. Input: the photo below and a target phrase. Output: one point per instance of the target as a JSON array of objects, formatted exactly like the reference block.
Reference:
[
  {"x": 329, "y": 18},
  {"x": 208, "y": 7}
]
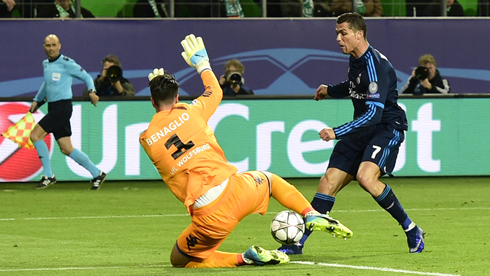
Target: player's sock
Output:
[
  {"x": 289, "y": 196},
  {"x": 323, "y": 203},
  {"x": 82, "y": 159},
  {"x": 43, "y": 152},
  {"x": 388, "y": 200},
  {"x": 218, "y": 259}
]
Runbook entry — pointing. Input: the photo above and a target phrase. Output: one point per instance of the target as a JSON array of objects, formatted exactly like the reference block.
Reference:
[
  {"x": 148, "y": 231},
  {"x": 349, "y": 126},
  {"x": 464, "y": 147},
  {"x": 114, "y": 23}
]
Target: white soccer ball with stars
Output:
[{"x": 287, "y": 227}]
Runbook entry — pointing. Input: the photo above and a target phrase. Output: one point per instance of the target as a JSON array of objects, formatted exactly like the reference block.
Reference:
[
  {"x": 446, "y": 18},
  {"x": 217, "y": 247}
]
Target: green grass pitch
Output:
[{"x": 129, "y": 228}]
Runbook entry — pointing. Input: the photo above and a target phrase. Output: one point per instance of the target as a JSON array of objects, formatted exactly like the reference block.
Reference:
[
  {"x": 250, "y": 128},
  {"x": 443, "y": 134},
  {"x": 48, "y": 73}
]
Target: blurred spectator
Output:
[
  {"x": 453, "y": 8},
  {"x": 364, "y": 7},
  {"x": 150, "y": 8},
  {"x": 29, "y": 8},
  {"x": 484, "y": 7},
  {"x": 61, "y": 9},
  {"x": 203, "y": 8},
  {"x": 6, "y": 7},
  {"x": 111, "y": 81},
  {"x": 426, "y": 79},
  {"x": 232, "y": 81},
  {"x": 416, "y": 7}
]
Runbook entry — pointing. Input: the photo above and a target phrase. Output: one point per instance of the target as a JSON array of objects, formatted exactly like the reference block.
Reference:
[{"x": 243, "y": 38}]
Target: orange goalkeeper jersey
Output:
[{"x": 183, "y": 148}]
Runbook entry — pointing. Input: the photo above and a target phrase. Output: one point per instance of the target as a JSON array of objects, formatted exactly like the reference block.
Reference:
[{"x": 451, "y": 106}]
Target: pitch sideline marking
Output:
[
  {"x": 385, "y": 269},
  {"x": 268, "y": 213},
  {"x": 374, "y": 268}
]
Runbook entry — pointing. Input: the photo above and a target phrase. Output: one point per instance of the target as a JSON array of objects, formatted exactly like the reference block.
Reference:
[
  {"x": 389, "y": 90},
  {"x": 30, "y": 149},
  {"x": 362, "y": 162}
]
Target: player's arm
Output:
[
  {"x": 75, "y": 70},
  {"x": 378, "y": 89},
  {"x": 39, "y": 99},
  {"x": 196, "y": 56},
  {"x": 340, "y": 90}
]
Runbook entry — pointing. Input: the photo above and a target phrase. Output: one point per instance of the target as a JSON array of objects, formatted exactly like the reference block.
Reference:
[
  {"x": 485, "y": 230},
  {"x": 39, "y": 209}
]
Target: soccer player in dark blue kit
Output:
[
  {"x": 368, "y": 145},
  {"x": 59, "y": 72}
]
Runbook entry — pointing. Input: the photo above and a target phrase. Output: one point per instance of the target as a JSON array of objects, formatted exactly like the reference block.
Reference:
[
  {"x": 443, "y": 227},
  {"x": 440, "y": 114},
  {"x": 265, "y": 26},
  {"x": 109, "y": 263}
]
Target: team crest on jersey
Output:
[
  {"x": 373, "y": 87},
  {"x": 56, "y": 76}
]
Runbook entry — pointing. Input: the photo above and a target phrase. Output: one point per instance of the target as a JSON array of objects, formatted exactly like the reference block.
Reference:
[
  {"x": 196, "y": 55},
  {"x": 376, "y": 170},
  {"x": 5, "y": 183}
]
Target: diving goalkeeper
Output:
[{"x": 192, "y": 164}]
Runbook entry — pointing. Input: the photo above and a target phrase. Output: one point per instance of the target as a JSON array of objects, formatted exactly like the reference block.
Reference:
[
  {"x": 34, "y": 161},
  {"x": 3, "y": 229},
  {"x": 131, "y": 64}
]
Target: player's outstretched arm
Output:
[{"x": 195, "y": 53}]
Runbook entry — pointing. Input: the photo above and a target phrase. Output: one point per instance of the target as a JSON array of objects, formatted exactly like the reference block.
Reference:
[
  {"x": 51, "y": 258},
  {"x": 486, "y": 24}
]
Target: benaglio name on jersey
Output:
[{"x": 166, "y": 130}]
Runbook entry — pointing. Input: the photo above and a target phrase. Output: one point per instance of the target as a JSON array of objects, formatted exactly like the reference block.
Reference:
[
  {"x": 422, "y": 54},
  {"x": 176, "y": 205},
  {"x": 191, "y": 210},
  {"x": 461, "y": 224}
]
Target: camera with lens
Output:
[
  {"x": 234, "y": 78},
  {"x": 114, "y": 73},
  {"x": 421, "y": 73}
]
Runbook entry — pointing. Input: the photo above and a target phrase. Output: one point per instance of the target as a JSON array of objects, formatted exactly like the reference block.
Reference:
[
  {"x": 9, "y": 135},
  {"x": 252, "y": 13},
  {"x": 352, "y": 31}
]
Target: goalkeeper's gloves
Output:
[
  {"x": 156, "y": 72},
  {"x": 195, "y": 53}
]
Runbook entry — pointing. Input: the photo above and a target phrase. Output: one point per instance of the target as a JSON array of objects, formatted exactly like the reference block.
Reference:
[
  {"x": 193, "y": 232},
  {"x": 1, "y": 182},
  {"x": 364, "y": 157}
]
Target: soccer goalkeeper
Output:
[{"x": 192, "y": 164}]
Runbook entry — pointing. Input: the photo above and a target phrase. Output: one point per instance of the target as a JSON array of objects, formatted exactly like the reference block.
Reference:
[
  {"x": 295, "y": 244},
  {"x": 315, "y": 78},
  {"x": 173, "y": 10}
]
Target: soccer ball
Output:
[{"x": 287, "y": 227}]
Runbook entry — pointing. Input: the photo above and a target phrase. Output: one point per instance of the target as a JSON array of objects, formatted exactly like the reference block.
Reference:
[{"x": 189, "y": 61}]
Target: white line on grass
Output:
[
  {"x": 80, "y": 268},
  {"x": 269, "y": 213},
  {"x": 374, "y": 268},
  {"x": 385, "y": 269}
]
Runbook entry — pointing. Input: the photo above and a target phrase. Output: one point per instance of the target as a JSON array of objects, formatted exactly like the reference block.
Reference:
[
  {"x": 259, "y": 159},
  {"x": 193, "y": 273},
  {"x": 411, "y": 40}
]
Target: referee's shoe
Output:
[
  {"x": 97, "y": 182},
  {"x": 45, "y": 182}
]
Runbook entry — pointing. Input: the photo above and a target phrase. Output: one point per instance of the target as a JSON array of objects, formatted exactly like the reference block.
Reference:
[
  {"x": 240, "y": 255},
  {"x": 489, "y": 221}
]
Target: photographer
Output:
[
  {"x": 232, "y": 81},
  {"x": 111, "y": 81},
  {"x": 426, "y": 79}
]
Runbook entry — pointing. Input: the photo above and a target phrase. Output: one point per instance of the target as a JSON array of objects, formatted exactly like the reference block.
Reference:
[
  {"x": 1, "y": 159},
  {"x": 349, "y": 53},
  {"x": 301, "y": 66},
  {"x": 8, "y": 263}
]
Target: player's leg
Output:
[
  {"x": 343, "y": 163},
  {"x": 212, "y": 223},
  {"x": 81, "y": 158},
  {"x": 291, "y": 198},
  {"x": 37, "y": 137},
  {"x": 379, "y": 158}
]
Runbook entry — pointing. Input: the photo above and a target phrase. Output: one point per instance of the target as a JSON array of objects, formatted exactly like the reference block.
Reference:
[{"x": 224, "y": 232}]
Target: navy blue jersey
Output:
[{"x": 372, "y": 86}]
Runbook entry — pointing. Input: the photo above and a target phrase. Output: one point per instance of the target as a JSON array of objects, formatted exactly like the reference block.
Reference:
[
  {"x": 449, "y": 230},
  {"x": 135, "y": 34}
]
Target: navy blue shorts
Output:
[
  {"x": 57, "y": 121},
  {"x": 378, "y": 144}
]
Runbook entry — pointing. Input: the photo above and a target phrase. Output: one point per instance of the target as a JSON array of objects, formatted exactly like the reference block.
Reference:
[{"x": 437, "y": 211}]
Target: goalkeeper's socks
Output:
[
  {"x": 82, "y": 159},
  {"x": 390, "y": 203},
  {"x": 43, "y": 152},
  {"x": 323, "y": 203}
]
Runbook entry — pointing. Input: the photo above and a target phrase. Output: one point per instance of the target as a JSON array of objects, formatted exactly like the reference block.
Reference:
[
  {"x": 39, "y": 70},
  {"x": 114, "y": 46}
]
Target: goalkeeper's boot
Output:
[
  {"x": 320, "y": 222},
  {"x": 292, "y": 249},
  {"x": 415, "y": 239},
  {"x": 259, "y": 256},
  {"x": 97, "y": 182},
  {"x": 45, "y": 182}
]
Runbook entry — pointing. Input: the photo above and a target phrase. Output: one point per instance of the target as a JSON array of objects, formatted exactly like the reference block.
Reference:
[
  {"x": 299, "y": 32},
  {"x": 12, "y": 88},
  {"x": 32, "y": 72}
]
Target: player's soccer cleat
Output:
[
  {"x": 292, "y": 249},
  {"x": 45, "y": 182},
  {"x": 97, "y": 182},
  {"x": 325, "y": 223},
  {"x": 259, "y": 256},
  {"x": 415, "y": 239}
]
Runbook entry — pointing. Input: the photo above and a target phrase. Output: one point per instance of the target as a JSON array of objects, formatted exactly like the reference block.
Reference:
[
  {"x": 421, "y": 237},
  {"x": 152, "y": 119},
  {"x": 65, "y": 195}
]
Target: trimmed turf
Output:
[{"x": 129, "y": 228}]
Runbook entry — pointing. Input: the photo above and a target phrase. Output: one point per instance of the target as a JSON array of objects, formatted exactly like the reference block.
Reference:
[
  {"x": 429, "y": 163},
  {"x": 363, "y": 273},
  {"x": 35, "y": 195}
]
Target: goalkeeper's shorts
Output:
[{"x": 246, "y": 193}]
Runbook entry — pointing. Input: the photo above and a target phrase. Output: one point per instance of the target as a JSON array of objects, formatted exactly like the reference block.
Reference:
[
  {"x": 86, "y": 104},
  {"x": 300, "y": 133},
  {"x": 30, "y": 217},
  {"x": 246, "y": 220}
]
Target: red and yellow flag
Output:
[{"x": 21, "y": 131}]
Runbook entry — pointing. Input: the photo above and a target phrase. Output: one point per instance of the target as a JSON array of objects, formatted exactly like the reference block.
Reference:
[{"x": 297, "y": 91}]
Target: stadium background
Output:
[{"x": 285, "y": 59}]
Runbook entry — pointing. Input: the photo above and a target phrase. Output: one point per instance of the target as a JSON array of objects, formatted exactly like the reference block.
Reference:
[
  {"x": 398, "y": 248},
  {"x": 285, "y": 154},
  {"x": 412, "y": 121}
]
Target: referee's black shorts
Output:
[{"x": 57, "y": 121}]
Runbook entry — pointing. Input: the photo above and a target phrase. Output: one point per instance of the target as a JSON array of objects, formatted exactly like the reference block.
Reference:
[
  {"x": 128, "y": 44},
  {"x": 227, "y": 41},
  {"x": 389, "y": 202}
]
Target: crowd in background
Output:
[{"x": 242, "y": 8}]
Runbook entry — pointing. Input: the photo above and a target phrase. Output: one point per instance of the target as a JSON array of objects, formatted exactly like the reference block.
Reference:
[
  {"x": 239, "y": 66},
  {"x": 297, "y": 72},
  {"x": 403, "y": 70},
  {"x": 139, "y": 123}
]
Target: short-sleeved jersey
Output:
[
  {"x": 58, "y": 79},
  {"x": 184, "y": 149},
  {"x": 372, "y": 86}
]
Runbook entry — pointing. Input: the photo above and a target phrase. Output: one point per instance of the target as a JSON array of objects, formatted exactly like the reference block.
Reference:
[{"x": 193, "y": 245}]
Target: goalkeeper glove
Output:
[
  {"x": 195, "y": 53},
  {"x": 156, "y": 72}
]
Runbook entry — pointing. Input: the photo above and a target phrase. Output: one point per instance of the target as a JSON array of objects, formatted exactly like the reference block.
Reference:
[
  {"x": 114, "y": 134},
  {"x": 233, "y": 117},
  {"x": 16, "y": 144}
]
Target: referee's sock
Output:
[
  {"x": 82, "y": 159},
  {"x": 43, "y": 152}
]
